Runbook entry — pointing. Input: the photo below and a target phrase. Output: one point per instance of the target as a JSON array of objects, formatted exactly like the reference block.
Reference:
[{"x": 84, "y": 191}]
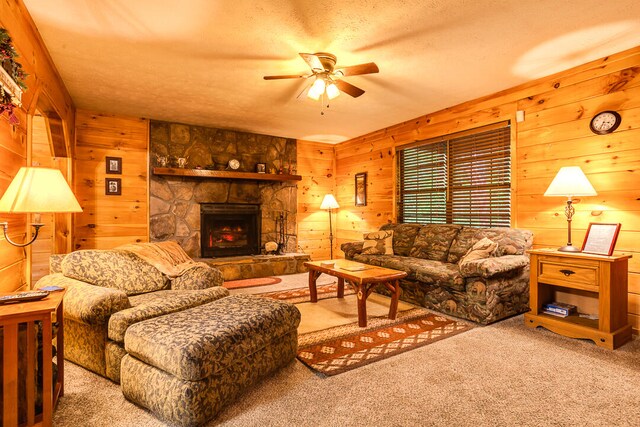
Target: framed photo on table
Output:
[
  {"x": 361, "y": 189},
  {"x": 601, "y": 238},
  {"x": 114, "y": 165}
]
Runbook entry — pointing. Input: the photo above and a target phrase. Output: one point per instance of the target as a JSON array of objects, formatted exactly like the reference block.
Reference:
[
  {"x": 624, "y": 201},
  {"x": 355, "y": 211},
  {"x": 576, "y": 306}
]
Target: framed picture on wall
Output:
[
  {"x": 113, "y": 187},
  {"x": 114, "y": 165},
  {"x": 361, "y": 189},
  {"x": 601, "y": 238}
]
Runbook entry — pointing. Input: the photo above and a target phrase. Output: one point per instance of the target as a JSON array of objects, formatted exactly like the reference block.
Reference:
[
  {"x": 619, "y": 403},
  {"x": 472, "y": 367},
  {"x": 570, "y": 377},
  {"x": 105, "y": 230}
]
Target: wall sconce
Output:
[
  {"x": 569, "y": 182},
  {"x": 36, "y": 190}
]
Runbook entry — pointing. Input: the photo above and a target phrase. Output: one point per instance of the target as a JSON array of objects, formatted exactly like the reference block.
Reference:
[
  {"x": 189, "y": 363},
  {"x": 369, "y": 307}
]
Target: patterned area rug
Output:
[
  {"x": 250, "y": 283},
  {"x": 343, "y": 348},
  {"x": 295, "y": 296}
]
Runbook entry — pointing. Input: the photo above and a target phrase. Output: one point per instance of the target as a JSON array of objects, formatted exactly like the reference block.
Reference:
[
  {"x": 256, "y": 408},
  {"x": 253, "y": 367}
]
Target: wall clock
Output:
[
  {"x": 605, "y": 122},
  {"x": 234, "y": 164}
]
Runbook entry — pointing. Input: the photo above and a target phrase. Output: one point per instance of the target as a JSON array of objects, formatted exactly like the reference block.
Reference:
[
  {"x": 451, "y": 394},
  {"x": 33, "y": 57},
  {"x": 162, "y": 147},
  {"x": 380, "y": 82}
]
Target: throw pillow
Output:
[
  {"x": 483, "y": 248},
  {"x": 378, "y": 243}
]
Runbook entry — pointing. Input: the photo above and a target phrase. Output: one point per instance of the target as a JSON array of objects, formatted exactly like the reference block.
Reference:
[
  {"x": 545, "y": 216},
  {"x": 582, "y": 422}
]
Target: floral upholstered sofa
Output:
[
  {"x": 479, "y": 274},
  {"x": 110, "y": 290}
]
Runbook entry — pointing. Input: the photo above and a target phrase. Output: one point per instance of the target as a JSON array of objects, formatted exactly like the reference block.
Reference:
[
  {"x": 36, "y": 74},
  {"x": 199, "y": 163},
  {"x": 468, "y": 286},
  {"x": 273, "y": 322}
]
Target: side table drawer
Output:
[{"x": 573, "y": 275}]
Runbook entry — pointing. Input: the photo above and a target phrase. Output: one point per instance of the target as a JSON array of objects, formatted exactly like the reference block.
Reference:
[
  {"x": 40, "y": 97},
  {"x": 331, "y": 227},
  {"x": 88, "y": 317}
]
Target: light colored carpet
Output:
[{"x": 498, "y": 375}]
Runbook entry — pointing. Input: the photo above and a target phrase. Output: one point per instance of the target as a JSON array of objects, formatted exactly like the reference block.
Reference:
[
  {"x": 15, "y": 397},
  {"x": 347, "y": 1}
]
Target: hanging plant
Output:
[{"x": 14, "y": 69}]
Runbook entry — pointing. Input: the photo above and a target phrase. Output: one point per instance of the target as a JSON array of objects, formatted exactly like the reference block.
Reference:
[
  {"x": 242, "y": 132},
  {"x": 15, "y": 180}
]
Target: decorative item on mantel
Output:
[{"x": 12, "y": 78}]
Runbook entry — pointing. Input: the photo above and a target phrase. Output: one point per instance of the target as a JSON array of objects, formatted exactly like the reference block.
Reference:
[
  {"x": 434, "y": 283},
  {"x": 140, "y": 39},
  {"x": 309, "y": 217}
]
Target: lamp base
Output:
[{"x": 569, "y": 248}]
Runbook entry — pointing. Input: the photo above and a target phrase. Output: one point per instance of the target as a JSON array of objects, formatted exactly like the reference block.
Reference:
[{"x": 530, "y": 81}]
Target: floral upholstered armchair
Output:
[{"x": 110, "y": 290}]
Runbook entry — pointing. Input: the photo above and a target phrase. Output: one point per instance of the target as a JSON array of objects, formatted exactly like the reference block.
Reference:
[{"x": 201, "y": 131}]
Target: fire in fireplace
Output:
[{"x": 229, "y": 229}]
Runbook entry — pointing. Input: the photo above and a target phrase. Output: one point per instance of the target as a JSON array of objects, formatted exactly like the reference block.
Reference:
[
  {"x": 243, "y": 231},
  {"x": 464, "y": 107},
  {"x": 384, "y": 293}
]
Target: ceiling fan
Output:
[{"x": 328, "y": 77}]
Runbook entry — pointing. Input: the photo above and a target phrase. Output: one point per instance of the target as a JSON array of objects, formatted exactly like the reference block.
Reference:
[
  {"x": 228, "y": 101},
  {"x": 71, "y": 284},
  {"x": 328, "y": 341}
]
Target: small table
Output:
[
  {"x": 47, "y": 311},
  {"x": 363, "y": 280}
]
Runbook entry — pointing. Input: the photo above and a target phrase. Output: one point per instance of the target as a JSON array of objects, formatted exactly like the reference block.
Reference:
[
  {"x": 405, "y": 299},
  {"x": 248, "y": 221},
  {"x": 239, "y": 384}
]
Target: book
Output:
[
  {"x": 356, "y": 268},
  {"x": 559, "y": 308},
  {"x": 553, "y": 313}
]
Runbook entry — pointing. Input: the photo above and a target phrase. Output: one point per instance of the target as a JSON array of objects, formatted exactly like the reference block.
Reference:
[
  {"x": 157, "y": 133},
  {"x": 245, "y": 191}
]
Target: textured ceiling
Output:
[{"x": 202, "y": 61}]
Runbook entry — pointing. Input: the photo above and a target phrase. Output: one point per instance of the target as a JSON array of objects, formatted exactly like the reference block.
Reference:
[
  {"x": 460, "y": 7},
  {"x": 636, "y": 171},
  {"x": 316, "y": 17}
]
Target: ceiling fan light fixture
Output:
[
  {"x": 317, "y": 89},
  {"x": 332, "y": 90}
]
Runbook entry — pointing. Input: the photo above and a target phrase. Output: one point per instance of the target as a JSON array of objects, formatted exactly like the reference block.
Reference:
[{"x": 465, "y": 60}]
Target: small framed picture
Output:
[
  {"x": 361, "y": 189},
  {"x": 113, "y": 187},
  {"x": 261, "y": 168},
  {"x": 601, "y": 238},
  {"x": 114, "y": 165}
]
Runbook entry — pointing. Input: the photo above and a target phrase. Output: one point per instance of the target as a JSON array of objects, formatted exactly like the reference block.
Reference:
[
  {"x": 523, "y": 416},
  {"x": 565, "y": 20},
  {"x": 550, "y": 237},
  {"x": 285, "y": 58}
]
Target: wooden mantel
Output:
[{"x": 211, "y": 174}]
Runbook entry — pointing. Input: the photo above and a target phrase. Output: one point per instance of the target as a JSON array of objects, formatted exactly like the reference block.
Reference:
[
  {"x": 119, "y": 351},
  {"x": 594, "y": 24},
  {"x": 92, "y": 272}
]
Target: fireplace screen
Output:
[{"x": 229, "y": 229}]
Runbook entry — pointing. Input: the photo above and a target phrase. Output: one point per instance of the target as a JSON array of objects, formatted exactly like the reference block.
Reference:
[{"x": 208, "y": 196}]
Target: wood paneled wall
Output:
[
  {"x": 555, "y": 133},
  {"x": 43, "y": 82},
  {"x": 316, "y": 164},
  {"x": 110, "y": 221}
]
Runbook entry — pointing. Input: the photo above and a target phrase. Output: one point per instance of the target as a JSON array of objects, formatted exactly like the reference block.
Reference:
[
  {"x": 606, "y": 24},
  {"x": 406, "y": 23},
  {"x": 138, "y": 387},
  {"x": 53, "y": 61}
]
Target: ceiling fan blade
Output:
[
  {"x": 354, "y": 70},
  {"x": 313, "y": 61},
  {"x": 288, "y": 76},
  {"x": 348, "y": 88}
]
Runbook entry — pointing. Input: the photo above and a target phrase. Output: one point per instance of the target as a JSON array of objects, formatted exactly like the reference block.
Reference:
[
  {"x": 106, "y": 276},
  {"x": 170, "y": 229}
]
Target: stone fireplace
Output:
[
  {"x": 229, "y": 229},
  {"x": 175, "y": 202}
]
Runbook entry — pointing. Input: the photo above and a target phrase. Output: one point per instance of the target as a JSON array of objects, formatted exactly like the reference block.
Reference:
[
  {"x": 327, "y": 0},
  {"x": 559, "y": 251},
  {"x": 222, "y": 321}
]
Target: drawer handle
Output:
[{"x": 567, "y": 272}]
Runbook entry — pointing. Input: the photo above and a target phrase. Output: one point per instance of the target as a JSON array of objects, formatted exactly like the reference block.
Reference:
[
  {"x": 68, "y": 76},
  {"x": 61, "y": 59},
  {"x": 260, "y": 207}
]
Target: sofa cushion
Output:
[
  {"x": 434, "y": 240},
  {"x": 114, "y": 269},
  {"x": 394, "y": 262},
  {"x": 483, "y": 248},
  {"x": 511, "y": 241},
  {"x": 226, "y": 331},
  {"x": 154, "y": 304},
  {"x": 436, "y": 273},
  {"x": 378, "y": 243},
  {"x": 198, "y": 277},
  {"x": 403, "y": 237},
  {"x": 424, "y": 270}
]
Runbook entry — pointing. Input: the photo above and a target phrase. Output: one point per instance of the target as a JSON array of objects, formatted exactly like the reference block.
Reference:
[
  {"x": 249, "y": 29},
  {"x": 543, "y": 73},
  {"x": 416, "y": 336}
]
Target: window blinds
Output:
[{"x": 460, "y": 179}]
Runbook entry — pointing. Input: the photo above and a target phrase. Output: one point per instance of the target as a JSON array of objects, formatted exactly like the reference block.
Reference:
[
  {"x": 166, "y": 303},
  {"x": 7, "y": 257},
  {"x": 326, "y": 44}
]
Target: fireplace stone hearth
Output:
[{"x": 175, "y": 201}]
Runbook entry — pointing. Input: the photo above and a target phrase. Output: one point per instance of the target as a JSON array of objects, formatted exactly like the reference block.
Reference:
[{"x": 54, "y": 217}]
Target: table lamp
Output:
[
  {"x": 328, "y": 203},
  {"x": 570, "y": 182},
  {"x": 36, "y": 190}
]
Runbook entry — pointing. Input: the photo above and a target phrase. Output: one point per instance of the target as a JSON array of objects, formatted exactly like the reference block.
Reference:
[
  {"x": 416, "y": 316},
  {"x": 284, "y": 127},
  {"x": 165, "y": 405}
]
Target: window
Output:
[{"x": 464, "y": 178}]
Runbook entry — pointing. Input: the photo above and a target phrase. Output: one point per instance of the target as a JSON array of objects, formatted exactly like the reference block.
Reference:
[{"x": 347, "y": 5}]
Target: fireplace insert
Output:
[{"x": 229, "y": 229}]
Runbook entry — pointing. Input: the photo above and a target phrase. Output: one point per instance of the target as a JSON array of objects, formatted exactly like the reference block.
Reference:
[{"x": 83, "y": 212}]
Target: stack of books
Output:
[{"x": 559, "y": 309}]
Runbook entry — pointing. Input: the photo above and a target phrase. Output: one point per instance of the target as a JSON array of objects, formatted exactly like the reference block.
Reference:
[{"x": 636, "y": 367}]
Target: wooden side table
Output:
[
  {"x": 47, "y": 311},
  {"x": 600, "y": 279}
]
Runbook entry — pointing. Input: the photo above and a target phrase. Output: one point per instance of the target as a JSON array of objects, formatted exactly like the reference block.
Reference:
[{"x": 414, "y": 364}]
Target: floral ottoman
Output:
[{"x": 186, "y": 366}]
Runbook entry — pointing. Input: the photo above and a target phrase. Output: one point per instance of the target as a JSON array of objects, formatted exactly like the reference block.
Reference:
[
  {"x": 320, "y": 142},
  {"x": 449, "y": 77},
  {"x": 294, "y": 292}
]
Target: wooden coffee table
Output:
[{"x": 362, "y": 280}]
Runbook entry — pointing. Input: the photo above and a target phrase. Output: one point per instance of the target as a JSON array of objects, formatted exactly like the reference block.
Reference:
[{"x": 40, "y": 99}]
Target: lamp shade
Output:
[
  {"x": 329, "y": 202},
  {"x": 36, "y": 190},
  {"x": 570, "y": 181}
]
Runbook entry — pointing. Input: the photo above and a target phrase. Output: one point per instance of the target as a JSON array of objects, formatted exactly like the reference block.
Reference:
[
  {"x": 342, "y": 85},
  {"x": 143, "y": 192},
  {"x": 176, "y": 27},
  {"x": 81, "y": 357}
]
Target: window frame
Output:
[{"x": 498, "y": 214}]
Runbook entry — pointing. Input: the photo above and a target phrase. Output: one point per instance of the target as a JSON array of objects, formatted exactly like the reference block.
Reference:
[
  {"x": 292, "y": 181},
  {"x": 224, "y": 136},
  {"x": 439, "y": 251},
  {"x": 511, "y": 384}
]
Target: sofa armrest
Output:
[
  {"x": 351, "y": 249},
  {"x": 489, "y": 267},
  {"x": 198, "y": 277},
  {"x": 85, "y": 303}
]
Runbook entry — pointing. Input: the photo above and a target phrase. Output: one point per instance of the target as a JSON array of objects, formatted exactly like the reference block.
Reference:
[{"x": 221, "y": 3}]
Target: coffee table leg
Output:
[
  {"x": 313, "y": 292},
  {"x": 340, "y": 287},
  {"x": 362, "y": 305},
  {"x": 393, "y": 308}
]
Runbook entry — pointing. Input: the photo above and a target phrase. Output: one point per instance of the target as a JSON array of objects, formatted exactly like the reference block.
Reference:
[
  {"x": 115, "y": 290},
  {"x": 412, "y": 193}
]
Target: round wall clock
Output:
[
  {"x": 234, "y": 164},
  {"x": 605, "y": 122}
]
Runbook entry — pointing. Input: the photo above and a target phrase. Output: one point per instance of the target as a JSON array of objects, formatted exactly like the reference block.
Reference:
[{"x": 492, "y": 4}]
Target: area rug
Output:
[
  {"x": 343, "y": 348},
  {"x": 251, "y": 283},
  {"x": 295, "y": 296}
]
